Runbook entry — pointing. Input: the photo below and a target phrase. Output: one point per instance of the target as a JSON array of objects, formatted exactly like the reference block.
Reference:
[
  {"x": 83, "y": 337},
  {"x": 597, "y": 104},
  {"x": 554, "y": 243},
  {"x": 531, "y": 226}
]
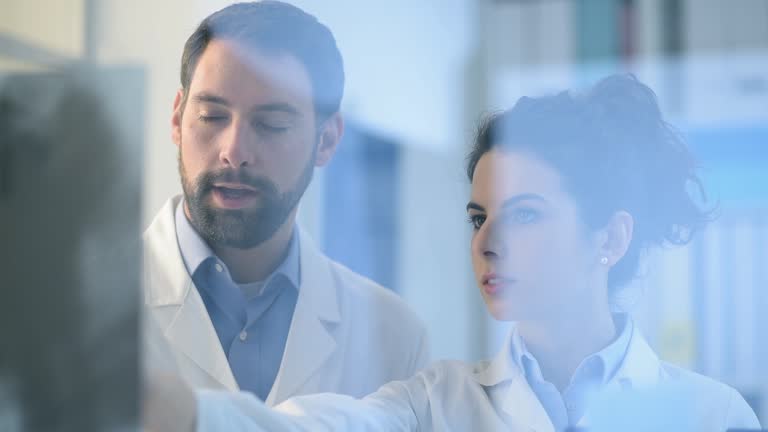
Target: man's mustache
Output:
[{"x": 205, "y": 182}]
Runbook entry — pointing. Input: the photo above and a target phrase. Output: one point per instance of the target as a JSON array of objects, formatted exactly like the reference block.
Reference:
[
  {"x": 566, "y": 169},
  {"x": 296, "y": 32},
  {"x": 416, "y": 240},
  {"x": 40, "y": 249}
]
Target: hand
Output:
[{"x": 168, "y": 404}]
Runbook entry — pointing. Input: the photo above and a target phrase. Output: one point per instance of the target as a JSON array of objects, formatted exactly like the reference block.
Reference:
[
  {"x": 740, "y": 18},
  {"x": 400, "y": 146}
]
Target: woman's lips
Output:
[{"x": 493, "y": 283}]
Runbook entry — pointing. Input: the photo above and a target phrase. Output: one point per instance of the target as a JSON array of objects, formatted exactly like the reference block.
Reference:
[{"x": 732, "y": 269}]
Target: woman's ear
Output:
[{"x": 615, "y": 238}]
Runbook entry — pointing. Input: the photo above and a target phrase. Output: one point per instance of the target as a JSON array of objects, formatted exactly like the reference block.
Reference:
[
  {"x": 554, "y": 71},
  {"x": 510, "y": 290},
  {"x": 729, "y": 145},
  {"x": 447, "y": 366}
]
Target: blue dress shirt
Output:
[{"x": 252, "y": 320}]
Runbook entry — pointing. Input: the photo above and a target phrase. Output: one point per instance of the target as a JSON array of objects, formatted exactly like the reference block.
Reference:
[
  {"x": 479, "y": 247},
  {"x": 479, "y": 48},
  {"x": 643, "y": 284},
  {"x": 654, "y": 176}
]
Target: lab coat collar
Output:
[
  {"x": 641, "y": 368},
  {"x": 501, "y": 368},
  {"x": 519, "y": 402},
  {"x": 310, "y": 338},
  {"x": 167, "y": 284}
]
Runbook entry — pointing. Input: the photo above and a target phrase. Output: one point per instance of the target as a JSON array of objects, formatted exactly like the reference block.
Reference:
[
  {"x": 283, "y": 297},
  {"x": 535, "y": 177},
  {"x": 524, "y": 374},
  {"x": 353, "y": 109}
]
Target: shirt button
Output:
[
  {"x": 243, "y": 335},
  {"x": 219, "y": 268}
]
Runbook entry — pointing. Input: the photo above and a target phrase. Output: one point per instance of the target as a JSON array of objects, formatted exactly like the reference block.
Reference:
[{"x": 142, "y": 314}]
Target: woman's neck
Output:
[{"x": 560, "y": 345}]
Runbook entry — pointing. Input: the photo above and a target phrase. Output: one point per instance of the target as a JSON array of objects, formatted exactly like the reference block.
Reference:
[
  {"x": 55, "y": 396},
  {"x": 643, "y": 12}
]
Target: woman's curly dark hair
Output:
[{"x": 614, "y": 151}]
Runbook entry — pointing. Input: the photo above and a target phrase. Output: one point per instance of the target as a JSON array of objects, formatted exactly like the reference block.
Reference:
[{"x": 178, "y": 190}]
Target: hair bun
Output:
[{"x": 623, "y": 101}]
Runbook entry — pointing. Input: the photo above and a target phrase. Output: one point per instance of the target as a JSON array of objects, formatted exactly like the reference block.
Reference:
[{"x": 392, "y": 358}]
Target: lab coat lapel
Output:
[
  {"x": 519, "y": 402},
  {"x": 523, "y": 407},
  {"x": 641, "y": 369},
  {"x": 170, "y": 291},
  {"x": 310, "y": 340}
]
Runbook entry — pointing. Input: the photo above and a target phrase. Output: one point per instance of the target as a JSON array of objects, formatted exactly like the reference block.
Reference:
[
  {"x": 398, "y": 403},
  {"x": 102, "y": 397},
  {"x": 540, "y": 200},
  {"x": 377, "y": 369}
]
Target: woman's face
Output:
[{"x": 533, "y": 257}]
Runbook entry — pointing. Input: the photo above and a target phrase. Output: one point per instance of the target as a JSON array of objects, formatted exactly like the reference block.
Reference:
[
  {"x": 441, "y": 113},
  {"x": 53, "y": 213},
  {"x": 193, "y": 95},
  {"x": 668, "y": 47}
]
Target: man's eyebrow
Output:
[
  {"x": 277, "y": 107},
  {"x": 210, "y": 98},
  {"x": 266, "y": 107}
]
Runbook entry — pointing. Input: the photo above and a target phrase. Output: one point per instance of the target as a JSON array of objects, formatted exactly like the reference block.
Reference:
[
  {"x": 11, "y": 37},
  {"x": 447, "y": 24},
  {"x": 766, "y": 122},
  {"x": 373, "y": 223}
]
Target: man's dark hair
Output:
[{"x": 274, "y": 27}]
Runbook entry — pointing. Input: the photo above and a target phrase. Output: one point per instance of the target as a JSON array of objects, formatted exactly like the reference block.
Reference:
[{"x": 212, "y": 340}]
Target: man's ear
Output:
[
  {"x": 330, "y": 135},
  {"x": 178, "y": 109}
]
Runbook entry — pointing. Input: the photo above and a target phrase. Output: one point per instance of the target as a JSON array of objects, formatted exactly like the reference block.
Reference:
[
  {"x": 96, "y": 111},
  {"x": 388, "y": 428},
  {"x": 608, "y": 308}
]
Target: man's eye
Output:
[
  {"x": 476, "y": 221},
  {"x": 270, "y": 128},
  {"x": 211, "y": 118}
]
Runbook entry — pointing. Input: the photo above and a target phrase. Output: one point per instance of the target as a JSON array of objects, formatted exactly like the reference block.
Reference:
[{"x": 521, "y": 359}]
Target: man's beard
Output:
[{"x": 241, "y": 228}]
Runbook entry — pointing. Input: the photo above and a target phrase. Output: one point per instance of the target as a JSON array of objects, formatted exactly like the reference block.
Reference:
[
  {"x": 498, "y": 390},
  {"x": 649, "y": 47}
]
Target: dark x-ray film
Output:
[{"x": 70, "y": 166}]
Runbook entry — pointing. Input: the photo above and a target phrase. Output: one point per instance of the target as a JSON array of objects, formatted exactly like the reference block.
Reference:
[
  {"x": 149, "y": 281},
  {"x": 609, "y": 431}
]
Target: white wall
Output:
[
  {"x": 404, "y": 62},
  {"x": 717, "y": 26},
  {"x": 56, "y": 26}
]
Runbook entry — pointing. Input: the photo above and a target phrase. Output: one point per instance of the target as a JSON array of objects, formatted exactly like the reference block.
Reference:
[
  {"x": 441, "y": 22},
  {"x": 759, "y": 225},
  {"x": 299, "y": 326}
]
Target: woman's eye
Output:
[
  {"x": 476, "y": 221},
  {"x": 525, "y": 215}
]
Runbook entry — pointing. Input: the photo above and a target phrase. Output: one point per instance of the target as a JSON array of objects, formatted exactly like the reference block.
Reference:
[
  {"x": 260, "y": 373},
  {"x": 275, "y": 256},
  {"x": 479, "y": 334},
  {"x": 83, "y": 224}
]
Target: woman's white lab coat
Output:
[{"x": 644, "y": 394}]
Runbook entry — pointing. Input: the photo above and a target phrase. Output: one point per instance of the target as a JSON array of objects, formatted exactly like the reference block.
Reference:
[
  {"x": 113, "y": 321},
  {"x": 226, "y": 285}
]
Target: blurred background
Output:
[{"x": 419, "y": 75}]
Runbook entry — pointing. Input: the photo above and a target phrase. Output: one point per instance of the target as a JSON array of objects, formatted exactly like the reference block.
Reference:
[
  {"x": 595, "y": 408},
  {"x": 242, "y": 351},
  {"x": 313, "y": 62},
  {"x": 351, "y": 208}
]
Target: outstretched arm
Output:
[
  {"x": 388, "y": 409},
  {"x": 171, "y": 406}
]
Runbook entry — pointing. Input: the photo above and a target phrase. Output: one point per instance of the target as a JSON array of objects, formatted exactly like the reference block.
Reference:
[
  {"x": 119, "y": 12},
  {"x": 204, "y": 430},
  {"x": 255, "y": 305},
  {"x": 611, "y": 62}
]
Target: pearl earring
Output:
[{"x": 604, "y": 260}]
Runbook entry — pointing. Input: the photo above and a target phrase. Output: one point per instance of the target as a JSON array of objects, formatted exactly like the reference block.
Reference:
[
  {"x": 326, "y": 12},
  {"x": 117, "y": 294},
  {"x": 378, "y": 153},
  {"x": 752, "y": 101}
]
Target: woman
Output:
[{"x": 568, "y": 191}]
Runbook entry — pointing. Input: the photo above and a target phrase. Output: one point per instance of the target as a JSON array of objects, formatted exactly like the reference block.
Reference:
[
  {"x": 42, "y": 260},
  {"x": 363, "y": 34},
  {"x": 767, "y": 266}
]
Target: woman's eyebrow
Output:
[
  {"x": 509, "y": 202},
  {"x": 475, "y": 206}
]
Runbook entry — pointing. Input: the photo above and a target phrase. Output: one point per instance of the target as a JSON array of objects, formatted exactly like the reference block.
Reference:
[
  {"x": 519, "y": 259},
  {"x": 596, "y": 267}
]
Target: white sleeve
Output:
[
  {"x": 740, "y": 415},
  {"x": 237, "y": 412},
  {"x": 388, "y": 409},
  {"x": 422, "y": 358}
]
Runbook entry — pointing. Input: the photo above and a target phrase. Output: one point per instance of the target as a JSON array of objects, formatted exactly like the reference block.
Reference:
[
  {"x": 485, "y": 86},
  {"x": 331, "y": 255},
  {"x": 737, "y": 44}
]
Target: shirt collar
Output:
[
  {"x": 607, "y": 360},
  {"x": 290, "y": 266},
  {"x": 613, "y": 355},
  {"x": 639, "y": 366},
  {"x": 195, "y": 251}
]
